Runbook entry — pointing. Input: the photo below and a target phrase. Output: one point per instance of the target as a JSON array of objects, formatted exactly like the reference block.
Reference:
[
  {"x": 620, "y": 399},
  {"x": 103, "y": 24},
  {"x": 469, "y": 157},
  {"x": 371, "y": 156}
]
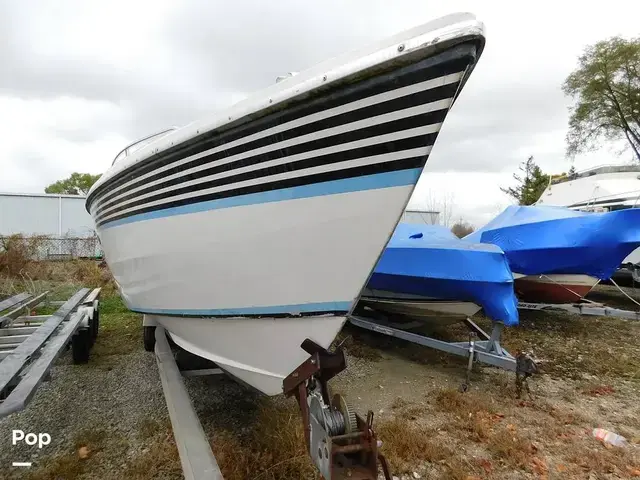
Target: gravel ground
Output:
[
  {"x": 114, "y": 409},
  {"x": 80, "y": 402}
]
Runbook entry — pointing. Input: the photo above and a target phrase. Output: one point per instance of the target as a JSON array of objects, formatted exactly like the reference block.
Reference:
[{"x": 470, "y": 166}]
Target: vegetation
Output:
[
  {"x": 606, "y": 89},
  {"x": 530, "y": 185},
  {"x": 17, "y": 252},
  {"x": 76, "y": 184},
  {"x": 462, "y": 229}
]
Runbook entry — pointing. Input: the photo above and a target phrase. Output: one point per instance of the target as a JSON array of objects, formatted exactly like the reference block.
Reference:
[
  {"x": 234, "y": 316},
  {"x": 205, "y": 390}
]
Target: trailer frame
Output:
[
  {"x": 487, "y": 350},
  {"x": 30, "y": 344},
  {"x": 591, "y": 309}
]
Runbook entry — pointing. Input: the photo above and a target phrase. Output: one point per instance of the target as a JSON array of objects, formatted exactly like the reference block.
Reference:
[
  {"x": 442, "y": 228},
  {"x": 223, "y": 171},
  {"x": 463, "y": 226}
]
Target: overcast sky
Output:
[{"x": 79, "y": 80}]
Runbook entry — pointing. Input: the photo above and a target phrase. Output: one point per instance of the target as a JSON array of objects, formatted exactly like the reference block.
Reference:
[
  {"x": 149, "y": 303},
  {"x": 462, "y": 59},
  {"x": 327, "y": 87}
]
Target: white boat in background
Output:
[
  {"x": 254, "y": 229},
  {"x": 606, "y": 188},
  {"x": 418, "y": 307}
]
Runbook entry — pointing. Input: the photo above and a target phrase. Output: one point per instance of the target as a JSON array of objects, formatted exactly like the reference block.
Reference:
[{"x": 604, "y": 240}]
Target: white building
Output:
[
  {"x": 44, "y": 214},
  {"x": 422, "y": 217},
  {"x": 61, "y": 218}
]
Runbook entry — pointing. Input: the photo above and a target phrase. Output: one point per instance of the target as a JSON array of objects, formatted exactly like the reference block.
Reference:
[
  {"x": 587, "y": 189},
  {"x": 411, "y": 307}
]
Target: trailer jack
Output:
[{"x": 340, "y": 442}]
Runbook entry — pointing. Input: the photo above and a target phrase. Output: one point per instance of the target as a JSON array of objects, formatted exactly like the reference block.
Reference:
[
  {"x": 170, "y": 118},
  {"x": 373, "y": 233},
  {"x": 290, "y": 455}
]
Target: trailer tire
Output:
[
  {"x": 81, "y": 346},
  {"x": 95, "y": 325},
  {"x": 149, "y": 338}
]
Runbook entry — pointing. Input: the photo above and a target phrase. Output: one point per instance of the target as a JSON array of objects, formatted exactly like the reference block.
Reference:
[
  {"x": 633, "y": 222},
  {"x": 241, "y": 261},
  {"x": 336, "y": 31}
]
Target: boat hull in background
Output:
[
  {"x": 556, "y": 288},
  {"x": 426, "y": 310},
  {"x": 251, "y": 232}
]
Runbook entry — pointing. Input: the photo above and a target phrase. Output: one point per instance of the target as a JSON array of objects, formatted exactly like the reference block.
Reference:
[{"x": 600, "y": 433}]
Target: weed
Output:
[
  {"x": 159, "y": 459},
  {"x": 273, "y": 448}
]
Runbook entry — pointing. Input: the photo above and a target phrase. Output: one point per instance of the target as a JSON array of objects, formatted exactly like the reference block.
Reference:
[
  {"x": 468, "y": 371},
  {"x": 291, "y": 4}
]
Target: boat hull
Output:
[
  {"x": 554, "y": 288},
  {"x": 245, "y": 239},
  {"x": 252, "y": 350},
  {"x": 425, "y": 310}
]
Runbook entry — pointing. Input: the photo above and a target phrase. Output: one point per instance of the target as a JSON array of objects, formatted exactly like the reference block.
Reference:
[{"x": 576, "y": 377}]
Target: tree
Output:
[
  {"x": 606, "y": 90},
  {"x": 530, "y": 186},
  {"x": 462, "y": 229},
  {"x": 76, "y": 184},
  {"x": 444, "y": 207}
]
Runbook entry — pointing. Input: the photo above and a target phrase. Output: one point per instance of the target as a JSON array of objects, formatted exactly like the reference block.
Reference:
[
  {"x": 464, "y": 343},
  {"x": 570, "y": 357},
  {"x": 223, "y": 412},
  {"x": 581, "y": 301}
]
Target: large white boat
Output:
[
  {"x": 605, "y": 188},
  {"x": 247, "y": 232}
]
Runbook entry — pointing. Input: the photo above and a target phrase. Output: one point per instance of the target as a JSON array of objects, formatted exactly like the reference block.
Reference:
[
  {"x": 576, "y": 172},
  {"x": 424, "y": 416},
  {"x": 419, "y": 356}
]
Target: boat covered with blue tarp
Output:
[
  {"x": 557, "y": 240},
  {"x": 430, "y": 266}
]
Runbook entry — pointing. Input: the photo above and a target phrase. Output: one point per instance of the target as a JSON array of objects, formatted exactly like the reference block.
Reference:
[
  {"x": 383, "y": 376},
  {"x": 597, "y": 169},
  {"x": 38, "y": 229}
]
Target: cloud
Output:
[{"x": 82, "y": 79}]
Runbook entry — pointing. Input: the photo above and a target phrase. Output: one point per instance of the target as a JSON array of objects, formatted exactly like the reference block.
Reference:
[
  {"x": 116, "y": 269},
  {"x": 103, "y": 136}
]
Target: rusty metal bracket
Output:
[
  {"x": 335, "y": 451},
  {"x": 525, "y": 367}
]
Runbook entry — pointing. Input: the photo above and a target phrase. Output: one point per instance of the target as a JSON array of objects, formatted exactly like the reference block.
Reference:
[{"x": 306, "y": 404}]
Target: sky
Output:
[{"x": 80, "y": 80}]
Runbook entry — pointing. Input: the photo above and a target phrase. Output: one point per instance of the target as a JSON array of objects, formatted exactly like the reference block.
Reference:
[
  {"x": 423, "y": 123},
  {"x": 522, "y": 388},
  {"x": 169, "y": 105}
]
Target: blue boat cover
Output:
[
  {"x": 429, "y": 260},
  {"x": 551, "y": 240}
]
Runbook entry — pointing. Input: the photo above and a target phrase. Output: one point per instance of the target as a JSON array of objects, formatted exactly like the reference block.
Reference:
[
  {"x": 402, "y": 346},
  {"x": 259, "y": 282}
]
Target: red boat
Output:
[{"x": 553, "y": 288}]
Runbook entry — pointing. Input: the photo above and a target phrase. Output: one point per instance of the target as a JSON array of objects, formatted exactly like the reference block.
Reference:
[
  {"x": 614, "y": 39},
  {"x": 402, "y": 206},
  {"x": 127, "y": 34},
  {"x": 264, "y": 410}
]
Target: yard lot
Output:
[{"x": 108, "y": 420}]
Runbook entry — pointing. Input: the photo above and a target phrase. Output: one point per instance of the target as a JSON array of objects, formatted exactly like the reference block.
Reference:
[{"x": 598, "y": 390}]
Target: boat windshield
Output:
[{"x": 138, "y": 144}]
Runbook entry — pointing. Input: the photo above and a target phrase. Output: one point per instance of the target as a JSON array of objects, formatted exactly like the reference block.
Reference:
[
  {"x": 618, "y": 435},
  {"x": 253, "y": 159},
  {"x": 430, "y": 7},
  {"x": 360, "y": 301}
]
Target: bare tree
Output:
[{"x": 445, "y": 205}]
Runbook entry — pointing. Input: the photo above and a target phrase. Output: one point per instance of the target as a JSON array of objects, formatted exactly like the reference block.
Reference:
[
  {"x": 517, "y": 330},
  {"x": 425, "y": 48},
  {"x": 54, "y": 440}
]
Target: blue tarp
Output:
[
  {"x": 552, "y": 240},
  {"x": 429, "y": 260}
]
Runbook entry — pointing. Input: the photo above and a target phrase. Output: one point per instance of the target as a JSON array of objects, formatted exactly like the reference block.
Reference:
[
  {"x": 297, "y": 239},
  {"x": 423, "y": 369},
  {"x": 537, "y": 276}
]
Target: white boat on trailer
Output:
[{"x": 250, "y": 231}]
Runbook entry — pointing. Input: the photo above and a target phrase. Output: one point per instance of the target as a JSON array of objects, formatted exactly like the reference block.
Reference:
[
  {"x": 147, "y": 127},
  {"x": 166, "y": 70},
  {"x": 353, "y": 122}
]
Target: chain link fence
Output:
[{"x": 38, "y": 247}]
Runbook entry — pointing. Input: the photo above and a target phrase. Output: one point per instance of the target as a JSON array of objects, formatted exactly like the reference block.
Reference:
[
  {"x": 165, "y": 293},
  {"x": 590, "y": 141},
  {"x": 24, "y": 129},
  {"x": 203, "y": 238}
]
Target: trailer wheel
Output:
[
  {"x": 149, "y": 338},
  {"x": 94, "y": 325},
  {"x": 80, "y": 346}
]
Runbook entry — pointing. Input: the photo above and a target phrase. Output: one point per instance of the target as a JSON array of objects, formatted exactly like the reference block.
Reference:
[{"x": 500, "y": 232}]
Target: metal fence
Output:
[{"x": 53, "y": 248}]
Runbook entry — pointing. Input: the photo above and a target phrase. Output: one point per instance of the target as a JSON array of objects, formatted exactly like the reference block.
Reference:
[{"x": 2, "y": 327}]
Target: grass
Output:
[
  {"x": 482, "y": 434},
  {"x": 570, "y": 349},
  {"x": 273, "y": 448},
  {"x": 120, "y": 332}
]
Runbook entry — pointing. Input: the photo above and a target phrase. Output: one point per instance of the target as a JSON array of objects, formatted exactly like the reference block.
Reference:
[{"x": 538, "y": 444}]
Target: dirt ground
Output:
[{"x": 589, "y": 377}]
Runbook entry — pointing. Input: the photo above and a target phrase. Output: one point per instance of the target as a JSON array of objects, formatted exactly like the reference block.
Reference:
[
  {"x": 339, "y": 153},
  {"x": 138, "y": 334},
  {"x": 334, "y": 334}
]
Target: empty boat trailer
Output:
[{"x": 29, "y": 344}]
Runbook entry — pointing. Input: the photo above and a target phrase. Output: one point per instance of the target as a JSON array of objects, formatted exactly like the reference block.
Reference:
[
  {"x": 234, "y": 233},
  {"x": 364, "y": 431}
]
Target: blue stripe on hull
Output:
[
  {"x": 366, "y": 182},
  {"x": 319, "y": 307}
]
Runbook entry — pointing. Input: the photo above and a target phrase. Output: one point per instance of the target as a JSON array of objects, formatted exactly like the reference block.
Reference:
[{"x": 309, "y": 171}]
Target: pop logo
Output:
[{"x": 40, "y": 439}]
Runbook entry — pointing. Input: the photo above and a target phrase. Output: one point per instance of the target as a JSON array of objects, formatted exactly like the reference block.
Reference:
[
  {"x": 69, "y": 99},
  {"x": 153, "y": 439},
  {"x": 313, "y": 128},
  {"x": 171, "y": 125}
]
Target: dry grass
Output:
[
  {"x": 570, "y": 348},
  {"x": 406, "y": 443},
  {"x": 67, "y": 467},
  {"x": 74, "y": 462},
  {"x": 16, "y": 253},
  {"x": 356, "y": 348},
  {"x": 159, "y": 460},
  {"x": 61, "y": 277},
  {"x": 273, "y": 448}
]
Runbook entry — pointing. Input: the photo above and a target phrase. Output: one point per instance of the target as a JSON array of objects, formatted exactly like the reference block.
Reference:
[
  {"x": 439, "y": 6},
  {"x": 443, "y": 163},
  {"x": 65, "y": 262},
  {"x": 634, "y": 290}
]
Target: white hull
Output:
[
  {"x": 257, "y": 259},
  {"x": 268, "y": 219},
  {"x": 634, "y": 257},
  {"x": 432, "y": 311},
  {"x": 256, "y": 351}
]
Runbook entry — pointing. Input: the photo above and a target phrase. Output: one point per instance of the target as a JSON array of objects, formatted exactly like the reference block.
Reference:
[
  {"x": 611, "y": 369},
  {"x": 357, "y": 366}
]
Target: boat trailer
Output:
[
  {"x": 340, "y": 443},
  {"x": 487, "y": 349},
  {"x": 591, "y": 308},
  {"x": 30, "y": 344}
]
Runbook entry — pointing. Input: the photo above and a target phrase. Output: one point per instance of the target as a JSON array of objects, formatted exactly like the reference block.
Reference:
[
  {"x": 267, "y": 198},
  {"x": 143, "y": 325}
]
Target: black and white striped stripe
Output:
[{"x": 382, "y": 124}]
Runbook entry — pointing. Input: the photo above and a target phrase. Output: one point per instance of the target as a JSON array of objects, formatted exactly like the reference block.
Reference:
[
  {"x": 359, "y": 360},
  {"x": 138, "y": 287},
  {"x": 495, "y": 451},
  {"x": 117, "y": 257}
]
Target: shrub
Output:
[{"x": 17, "y": 252}]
